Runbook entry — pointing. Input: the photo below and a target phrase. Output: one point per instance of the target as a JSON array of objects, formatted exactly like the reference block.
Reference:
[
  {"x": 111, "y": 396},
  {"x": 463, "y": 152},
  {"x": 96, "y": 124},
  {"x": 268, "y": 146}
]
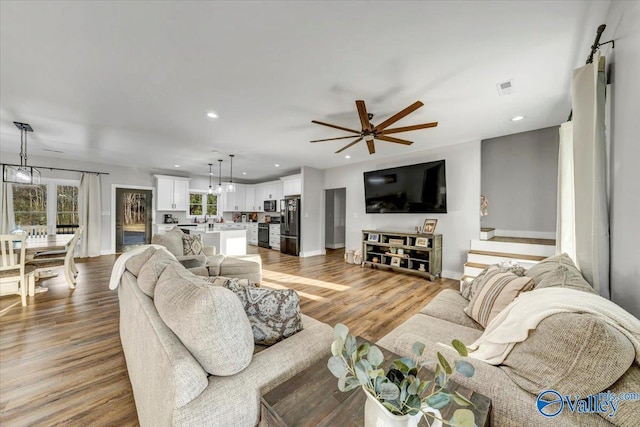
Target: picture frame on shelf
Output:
[
  {"x": 422, "y": 241},
  {"x": 400, "y": 251},
  {"x": 396, "y": 241},
  {"x": 373, "y": 237},
  {"x": 429, "y": 226},
  {"x": 395, "y": 261}
]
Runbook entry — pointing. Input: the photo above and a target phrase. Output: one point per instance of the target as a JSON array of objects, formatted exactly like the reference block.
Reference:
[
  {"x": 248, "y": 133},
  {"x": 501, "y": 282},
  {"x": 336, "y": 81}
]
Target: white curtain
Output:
[
  {"x": 90, "y": 213},
  {"x": 565, "y": 220},
  {"x": 587, "y": 185},
  {"x": 8, "y": 216}
]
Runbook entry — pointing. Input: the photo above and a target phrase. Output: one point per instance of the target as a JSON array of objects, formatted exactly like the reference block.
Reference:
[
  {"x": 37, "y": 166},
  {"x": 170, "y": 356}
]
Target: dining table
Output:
[{"x": 40, "y": 244}]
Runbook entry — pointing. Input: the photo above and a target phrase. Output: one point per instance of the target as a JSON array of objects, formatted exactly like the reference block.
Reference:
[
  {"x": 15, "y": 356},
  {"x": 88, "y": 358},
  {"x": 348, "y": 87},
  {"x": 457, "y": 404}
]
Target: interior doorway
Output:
[
  {"x": 134, "y": 218},
  {"x": 335, "y": 202}
]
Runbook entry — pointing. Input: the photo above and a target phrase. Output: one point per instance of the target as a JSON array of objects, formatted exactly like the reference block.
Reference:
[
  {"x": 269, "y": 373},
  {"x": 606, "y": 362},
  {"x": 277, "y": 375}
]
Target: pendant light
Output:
[
  {"x": 219, "y": 190},
  {"x": 210, "y": 174},
  {"x": 22, "y": 174},
  {"x": 231, "y": 187}
]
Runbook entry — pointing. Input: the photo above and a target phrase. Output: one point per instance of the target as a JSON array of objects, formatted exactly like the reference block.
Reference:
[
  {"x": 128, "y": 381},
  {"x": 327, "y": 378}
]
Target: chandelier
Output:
[{"x": 22, "y": 174}]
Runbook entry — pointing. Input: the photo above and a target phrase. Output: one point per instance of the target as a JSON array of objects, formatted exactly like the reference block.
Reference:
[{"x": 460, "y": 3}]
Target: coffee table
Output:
[{"x": 312, "y": 398}]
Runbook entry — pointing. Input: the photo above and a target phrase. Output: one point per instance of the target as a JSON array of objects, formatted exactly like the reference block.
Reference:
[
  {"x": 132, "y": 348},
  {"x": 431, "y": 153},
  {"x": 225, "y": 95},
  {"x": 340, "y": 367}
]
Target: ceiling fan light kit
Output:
[{"x": 369, "y": 132}]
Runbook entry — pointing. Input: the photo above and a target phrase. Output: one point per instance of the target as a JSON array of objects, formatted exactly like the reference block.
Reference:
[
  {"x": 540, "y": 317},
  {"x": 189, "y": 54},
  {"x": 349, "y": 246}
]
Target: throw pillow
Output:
[
  {"x": 496, "y": 290},
  {"x": 566, "y": 277},
  {"x": 134, "y": 264},
  {"x": 573, "y": 353},
  {"x": 273, "y": 314},
  {"x": 222, "y": 281},
  {"x": 469, "y": 290},
  {"x": 152, "y": 269},
  {"x": 546, "y": 266},
  {"x": 209, "y": 320},
  {"x": 192, "y": 244}
]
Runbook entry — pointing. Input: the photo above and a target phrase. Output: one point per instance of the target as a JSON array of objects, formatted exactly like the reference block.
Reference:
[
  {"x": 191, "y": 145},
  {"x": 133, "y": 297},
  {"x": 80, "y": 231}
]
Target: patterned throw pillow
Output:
[
  {"x": 469, "y": 290},
  {"x": 497, "y": 290},
  {"x": 222, "y": 281},
  {"x": 192, "y": 244},
  {"x": 273, "y": 314}
]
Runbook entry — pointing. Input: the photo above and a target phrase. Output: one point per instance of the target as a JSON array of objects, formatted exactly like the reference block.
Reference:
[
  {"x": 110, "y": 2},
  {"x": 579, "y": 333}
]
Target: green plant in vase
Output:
[{"x": 400, "y": 390}]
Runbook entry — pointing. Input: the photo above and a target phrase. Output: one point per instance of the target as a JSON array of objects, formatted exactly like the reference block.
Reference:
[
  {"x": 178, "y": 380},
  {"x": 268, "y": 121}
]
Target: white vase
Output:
[{"x": 376, "y": 415}]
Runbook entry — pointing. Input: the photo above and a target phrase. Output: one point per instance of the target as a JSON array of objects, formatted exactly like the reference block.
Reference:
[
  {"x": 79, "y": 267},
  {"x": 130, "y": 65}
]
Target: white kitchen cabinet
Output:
[
  {"x": 292, "y": 185},
  {"x": 172, "y": 193},
  {"x": 250, "y": 198},
  {"x": 274, "y": 236},
  {"x": 235, "y": 202},
  {"x": 252, "y": 233},
  {"x": 273, "y": 190},
  {"x": 259, "y": 197}
]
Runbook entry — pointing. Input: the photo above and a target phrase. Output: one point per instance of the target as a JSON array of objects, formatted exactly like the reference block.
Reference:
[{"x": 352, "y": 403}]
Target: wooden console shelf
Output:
[{"x": 421, "y": 253}]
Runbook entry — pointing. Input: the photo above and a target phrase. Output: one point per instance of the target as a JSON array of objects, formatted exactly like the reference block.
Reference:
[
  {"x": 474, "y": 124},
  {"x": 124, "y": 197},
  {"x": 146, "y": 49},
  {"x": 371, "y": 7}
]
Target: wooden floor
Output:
[{"x": 61, "y": 361}]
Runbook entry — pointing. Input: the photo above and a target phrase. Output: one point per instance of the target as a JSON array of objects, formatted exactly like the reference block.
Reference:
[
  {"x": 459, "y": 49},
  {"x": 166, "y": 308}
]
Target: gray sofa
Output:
[
  {"x": 572, "y": 352},
  {"x": 170, "y": 386},
  {"x": 238, "y": 266}
]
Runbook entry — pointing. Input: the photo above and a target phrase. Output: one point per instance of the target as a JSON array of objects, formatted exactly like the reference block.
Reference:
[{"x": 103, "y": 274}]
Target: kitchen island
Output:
[{"x": 227, "y": 241}]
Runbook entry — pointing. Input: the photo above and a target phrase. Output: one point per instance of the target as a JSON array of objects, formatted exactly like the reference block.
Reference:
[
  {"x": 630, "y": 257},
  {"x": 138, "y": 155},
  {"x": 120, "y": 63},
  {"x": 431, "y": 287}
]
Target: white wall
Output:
[
  {"x": 312, "y": 214},
  {"x": 460, "y": 225},
  {"x": 519, "y": 178},
  {"x": 623, "y": 25}
]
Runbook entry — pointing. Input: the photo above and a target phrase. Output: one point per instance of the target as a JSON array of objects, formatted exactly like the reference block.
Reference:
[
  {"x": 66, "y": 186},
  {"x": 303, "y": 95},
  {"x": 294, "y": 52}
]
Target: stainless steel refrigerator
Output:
[{"x": 290, "y": 226}]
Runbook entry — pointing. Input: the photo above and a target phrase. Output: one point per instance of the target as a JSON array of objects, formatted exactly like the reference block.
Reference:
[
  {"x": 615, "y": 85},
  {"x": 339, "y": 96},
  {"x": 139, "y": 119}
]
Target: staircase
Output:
[{"x": 525, "y": 251}]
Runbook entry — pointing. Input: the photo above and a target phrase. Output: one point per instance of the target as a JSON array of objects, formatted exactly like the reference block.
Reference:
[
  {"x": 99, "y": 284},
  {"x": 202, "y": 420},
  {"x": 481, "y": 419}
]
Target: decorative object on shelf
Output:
[
  {"x": 421, "y": 267},
  {"x": 375, "y": 260},
  {"x": 393, "y": 250},
  {"x": 422, "y": 241},
  {"x": 395, "y": 261},
  {"x": 210, "y": 175},
  {"x": 484, "y": 205},
  {"x": 400, "y": 251},
  {"x": 401, "y": 393},
  {"x": 429, "y": 226},
  {"x": 22, "y": 174},
  {"x": 374, "y": 237},
  {"x": 219, "y": 189},
  {"x": 231, "y": 187},
  {"x": 396, "y": 241}
]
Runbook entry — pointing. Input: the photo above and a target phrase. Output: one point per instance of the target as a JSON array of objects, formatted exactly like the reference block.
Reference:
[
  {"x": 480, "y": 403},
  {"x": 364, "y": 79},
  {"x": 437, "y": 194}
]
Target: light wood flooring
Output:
[{"x": 61, "y": 361}]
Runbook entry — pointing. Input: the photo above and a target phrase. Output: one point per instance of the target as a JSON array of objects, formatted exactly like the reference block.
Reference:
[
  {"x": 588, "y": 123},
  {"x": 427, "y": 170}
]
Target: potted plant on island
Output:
[{"x": 398, "y": 397}]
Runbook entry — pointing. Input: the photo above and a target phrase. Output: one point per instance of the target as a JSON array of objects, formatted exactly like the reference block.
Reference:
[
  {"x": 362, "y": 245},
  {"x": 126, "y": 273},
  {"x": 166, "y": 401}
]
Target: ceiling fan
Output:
[{"x": 369, "y": 132}]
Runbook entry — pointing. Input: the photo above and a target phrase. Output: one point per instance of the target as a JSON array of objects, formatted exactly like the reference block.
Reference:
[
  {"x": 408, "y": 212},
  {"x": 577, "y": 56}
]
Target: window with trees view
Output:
[
  {"x": 203, "y": 202},
  {"x": 52, "y": 204}
]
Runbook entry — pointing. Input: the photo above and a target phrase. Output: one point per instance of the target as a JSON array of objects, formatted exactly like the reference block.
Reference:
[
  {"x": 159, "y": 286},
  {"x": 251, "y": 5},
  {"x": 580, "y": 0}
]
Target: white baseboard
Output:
[
  {"x": 456, "y": 275},
  {"x": 335, "y": 246},
  {"x": 312, "y": 253},
  {"x": 526, "y": 234}
]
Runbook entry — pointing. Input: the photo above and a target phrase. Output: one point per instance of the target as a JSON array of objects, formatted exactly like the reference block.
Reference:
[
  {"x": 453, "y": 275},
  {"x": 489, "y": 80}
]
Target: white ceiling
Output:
[{"x": 130, "y": 82}]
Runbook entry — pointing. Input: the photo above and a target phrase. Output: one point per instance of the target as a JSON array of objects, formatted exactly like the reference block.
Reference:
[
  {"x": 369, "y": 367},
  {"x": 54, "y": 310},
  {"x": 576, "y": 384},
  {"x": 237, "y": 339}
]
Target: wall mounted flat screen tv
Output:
[{"x": 420, "y": 188}]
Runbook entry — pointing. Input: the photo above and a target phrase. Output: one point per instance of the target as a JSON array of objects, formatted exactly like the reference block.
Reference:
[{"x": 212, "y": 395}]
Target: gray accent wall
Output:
[
  {"x": 519, "y": 176},
  {"x": 623, "y": 25}
]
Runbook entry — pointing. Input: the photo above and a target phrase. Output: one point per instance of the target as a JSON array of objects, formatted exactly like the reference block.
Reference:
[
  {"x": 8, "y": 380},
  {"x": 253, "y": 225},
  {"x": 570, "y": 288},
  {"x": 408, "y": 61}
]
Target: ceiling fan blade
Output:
[
  {"x": 409, "y": 128},
  {"x": 364, "y": 117},
  {"x": 371, "y": 147},
  {"x": 391, "y": 120},
  {"x": 349, "y": 145},
  {"x": 392, "y": 139},
  {"x": 334, "y": 126},
  {"x": 331, "y": 139}
]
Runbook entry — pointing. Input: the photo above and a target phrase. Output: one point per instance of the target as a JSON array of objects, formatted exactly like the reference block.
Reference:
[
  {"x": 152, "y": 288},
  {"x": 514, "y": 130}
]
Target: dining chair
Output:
[
  {"x": 49, "y": 259},
  {"x": 12, "y": 266},
  {"x": 35, "y": 231}
]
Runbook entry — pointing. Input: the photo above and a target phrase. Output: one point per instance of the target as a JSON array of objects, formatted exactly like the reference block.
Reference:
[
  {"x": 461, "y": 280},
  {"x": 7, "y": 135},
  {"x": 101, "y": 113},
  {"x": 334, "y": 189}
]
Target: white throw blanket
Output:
[
  {"x": 512, "y": 325},
  {"x": 119, "y": 266}
]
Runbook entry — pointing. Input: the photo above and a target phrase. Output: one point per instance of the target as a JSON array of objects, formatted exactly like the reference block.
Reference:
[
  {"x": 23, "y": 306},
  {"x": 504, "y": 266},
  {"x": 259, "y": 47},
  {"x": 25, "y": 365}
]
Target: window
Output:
[
  {"x": 53, "y": 203},
  {"x": 30, "y": 204},
  {"x": 195, "y": 204},
  {"x": 203, "y": 202}
]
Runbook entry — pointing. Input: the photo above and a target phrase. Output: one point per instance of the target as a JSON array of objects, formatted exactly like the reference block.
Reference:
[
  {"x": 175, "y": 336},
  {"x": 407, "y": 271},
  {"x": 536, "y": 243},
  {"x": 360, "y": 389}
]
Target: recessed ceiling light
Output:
[
  {"x": 212, "y": 115},
  {"x": 347, "y": 156},
  {"x": 277, "y": 165},
  {"x": 516, "y": 118},
  {"x": 244, "y": 173},
  {"x": 176, "y": 166}
]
